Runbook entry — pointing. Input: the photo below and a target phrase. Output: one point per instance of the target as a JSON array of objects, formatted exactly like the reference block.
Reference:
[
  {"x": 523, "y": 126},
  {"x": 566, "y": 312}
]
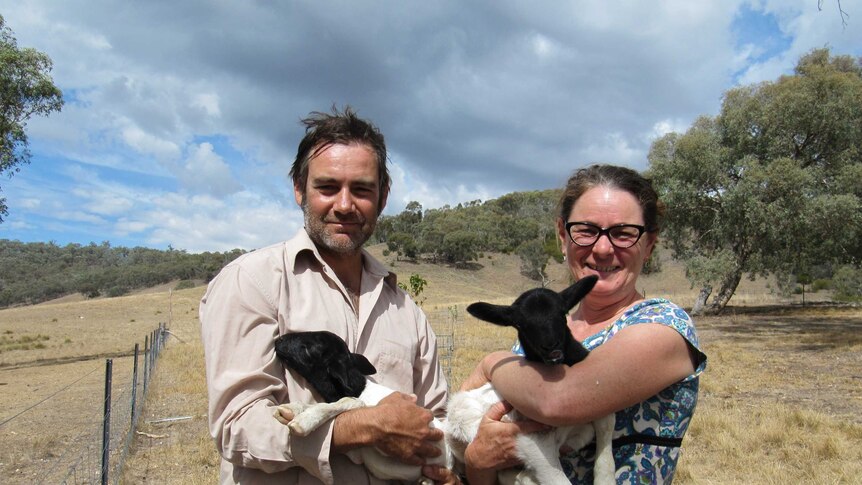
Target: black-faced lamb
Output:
[
  {"x": 338, "y": 375},
  {"x": 539, "y": 315}
]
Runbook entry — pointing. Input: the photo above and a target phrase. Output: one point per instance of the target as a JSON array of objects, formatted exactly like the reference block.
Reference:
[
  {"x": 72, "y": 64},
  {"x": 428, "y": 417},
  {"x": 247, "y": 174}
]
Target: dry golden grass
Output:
[
  {"x": 181, "y": 451},
  {"x": 780, "y": 401}
]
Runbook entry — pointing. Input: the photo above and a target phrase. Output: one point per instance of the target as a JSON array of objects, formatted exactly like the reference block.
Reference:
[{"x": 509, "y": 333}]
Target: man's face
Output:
[{"x": 341, "y": 200}]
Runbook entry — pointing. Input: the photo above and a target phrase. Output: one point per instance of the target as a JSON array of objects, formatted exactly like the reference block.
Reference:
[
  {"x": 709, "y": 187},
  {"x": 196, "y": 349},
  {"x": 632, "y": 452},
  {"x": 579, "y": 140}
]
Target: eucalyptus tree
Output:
[
  {"x": 772, "y": 185},
  {"x": 26, "y": 89}
]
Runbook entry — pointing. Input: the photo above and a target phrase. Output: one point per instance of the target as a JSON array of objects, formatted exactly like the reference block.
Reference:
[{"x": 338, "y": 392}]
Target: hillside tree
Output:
[
  {"x": 772, "y": 185},
  {"x": 26, "y": 89}
]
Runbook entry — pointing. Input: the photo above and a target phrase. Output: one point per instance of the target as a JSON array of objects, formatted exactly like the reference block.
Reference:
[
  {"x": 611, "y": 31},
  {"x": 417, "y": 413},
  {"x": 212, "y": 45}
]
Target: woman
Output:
[{"x": 644, "y": 361}]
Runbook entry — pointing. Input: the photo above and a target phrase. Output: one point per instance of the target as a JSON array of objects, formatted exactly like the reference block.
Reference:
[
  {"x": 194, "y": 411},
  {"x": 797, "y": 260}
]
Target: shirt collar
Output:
[{"x": 302, "y": 243}]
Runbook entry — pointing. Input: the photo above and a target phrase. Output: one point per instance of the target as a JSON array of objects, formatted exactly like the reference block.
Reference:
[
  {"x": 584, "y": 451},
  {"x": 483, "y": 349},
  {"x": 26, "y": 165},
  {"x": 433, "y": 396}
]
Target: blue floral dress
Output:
[{"x": 663, "y": 417}]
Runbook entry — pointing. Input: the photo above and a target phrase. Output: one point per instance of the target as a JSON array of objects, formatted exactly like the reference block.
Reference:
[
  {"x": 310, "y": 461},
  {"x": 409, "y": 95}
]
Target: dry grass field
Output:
[{"x": 781, "y": 400}]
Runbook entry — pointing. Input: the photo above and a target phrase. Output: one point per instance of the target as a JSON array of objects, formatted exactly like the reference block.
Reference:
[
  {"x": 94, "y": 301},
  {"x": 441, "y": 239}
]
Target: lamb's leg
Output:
[
  {"x": 285, "y": 413},
  {"x": 541, "y": 456},
  {"x": 312, "y": 416},
  {"x": 604, "y": 469}
]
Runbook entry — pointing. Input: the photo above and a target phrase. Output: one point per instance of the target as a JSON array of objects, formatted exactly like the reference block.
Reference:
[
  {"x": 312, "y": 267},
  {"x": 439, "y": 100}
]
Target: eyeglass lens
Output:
[{"x": 620, "y": 236}]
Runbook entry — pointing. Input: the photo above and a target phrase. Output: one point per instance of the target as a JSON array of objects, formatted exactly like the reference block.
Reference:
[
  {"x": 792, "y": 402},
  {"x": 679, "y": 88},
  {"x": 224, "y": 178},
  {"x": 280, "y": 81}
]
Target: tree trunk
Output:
[
  {"x": 728, "y": 288},
  {"x": 700, "y": 302}
]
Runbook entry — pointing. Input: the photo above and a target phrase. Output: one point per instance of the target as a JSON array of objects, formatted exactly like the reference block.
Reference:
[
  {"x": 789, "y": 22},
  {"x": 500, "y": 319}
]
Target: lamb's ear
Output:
[
  {"x": 362, "y": 364},
  {"x": 496, "y": 314},
  {"x": 575, "y": 293}
]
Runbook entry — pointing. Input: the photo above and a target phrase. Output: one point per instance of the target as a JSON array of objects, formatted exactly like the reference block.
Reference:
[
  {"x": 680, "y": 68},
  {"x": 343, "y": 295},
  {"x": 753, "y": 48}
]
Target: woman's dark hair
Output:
[
  {"x": 619, "y": 178},
  {"x": 325, "y": 129}
]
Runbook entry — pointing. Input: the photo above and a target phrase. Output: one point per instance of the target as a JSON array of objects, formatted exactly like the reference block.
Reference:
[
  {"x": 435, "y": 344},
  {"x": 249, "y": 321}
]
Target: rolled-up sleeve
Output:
[{"x": 239, "y": 323}]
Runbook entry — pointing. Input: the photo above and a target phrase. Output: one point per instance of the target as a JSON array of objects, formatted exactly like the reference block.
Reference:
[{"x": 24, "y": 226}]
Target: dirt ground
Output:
[
  {"x": 807, "y": 358},
  {"x": 760, "y": 355}
]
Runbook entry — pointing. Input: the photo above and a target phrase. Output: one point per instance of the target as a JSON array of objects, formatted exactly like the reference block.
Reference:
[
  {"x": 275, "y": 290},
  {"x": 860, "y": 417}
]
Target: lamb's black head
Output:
[
  {"x": 540, "y": 317},
  {"x": 324, "y": 360}
]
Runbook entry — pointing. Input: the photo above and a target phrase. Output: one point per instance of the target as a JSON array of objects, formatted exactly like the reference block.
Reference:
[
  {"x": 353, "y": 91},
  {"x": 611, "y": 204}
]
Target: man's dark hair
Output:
[{"x": 325, "y": 129}]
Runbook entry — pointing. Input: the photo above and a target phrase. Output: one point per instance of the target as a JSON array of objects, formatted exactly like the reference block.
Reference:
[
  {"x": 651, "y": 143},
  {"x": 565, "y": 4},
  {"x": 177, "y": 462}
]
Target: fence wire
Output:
[
  {"x": 86, "y": 456},
  {"x": 77, "y": 456}
]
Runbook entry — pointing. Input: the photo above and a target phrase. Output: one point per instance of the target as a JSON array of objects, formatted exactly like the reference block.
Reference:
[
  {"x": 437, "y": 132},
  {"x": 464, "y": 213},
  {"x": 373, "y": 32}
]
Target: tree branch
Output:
[{"x": 844, "y": 15}]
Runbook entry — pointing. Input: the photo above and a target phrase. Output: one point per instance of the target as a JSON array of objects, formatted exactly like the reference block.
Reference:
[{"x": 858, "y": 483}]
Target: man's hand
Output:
[
  {"x": 494, "y": 447},
  {"x": 441, "y": 475},
  {"x": 404, "y": 430},
  {"x": 396, "y": 426}
]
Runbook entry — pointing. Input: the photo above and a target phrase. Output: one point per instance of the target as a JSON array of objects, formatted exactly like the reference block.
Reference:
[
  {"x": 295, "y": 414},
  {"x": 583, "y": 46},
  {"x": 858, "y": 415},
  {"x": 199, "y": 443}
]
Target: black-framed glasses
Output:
[{"x": 621, "y": 235}]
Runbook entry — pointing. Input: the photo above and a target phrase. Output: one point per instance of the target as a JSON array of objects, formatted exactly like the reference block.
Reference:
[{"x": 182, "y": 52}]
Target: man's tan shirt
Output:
[{"x": 288, "y": 288}]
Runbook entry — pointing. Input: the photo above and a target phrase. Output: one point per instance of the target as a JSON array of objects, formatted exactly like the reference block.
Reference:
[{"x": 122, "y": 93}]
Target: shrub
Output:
[
  {"x": 184, "y": 284},
  {"x": 117, "y": 291},
  {"x": 821, "y": 284},
  {"x": 847, "y": 283}
]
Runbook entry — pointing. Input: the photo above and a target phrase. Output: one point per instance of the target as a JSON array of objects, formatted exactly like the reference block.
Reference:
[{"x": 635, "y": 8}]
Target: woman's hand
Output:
[{"x": 494, "y": 447}]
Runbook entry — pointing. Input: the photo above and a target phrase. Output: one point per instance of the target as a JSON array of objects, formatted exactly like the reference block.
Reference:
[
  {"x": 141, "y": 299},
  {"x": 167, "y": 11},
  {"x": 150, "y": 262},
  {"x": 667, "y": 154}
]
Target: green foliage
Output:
[
  {"x": 26, "y": 89},
  {"x": 534, "y": 260},
  {"x": 36, "y": 272},
  {"x": 534, "y": 254},
  {"x": 458, "y": 235},
  {"x": 771, "y": 184},
  {"x": 459, "y": 247},
  {"x": 653, "y": 264},
  {"x": 24, "y": 342},
  {"x": 416, "y": 285},
  {"x": 821, "y": 284},
  {"x": 184, "y": 284},
  {"x": 847, "y": 283}
]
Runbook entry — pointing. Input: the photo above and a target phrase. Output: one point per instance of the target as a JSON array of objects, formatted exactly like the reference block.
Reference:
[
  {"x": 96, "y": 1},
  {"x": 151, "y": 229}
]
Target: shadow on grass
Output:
[{"x": 810, "y": 328}]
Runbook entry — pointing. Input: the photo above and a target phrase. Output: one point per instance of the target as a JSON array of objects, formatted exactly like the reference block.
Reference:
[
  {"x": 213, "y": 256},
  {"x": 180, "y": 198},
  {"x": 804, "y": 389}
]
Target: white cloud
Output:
[
  {"x": 612, "y": 148},
  {"x": 197, "y": 223},
  {"x": 663, "y": 127},
  {"x": 205, "y": 171},
  {"x": 148, "y": 144},
  {"x": 475, "y": 99},
  {"x": 209, "y": 102}
]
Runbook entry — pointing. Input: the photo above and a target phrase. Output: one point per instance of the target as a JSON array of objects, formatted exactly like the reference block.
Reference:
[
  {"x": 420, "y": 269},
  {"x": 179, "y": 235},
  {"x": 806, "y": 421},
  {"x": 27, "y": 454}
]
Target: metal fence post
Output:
[
  {"x": 134, "y": 388},
  {"x": 146, "y": 363},
  {"x": 106, "y": 423}
]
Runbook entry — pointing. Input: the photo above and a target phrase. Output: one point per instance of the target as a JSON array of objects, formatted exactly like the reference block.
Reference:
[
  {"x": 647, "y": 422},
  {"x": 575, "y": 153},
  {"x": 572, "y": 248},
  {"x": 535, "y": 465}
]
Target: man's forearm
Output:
[{"x": 353, "y": 429}]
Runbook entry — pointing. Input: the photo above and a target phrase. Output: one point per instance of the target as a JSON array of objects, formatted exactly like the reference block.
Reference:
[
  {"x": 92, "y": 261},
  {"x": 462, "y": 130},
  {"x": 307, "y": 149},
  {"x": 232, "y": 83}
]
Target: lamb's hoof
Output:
[
  {"x": 284, "y": 413},
  {"x": 298, "y": 428}
]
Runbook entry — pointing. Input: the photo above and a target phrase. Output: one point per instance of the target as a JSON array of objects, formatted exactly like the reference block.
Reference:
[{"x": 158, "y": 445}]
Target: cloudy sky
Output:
[{"x": 182, "y": 117}]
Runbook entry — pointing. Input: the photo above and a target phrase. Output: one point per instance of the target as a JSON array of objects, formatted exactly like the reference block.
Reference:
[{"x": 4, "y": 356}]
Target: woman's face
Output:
[{"x": 617, "y": 269}]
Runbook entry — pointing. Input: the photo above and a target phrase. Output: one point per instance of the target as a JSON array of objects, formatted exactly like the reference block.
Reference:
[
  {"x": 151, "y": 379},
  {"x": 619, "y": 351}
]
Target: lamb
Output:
[
  {"x": 338, "y": 375},
  {"x": 539, "y": 315}
]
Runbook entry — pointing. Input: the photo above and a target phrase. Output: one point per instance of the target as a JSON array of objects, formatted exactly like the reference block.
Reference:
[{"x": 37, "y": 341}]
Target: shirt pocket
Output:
[{"x": 394, "y": 366}]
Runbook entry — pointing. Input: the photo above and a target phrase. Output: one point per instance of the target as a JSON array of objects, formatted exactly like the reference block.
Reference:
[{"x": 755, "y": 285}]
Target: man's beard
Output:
[{"x": 317, "y": 231}]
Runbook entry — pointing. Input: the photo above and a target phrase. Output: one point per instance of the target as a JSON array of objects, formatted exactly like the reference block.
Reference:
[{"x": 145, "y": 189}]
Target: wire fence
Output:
[
  {"x": 444, "y": 322},
  {"x": 92, "y": 447},
  {"x": 96, "y": 451}
]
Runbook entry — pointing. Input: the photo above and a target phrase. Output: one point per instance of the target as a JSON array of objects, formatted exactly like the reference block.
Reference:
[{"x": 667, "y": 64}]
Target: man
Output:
[{"x": 321, "y": 279}]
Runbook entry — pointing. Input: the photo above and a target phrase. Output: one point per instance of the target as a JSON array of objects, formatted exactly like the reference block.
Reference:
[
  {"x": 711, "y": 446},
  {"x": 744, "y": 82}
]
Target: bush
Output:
[
  {"x": 821, "y": 284},
  {"x": 117, "y": 291},
  {"x": 185, "y": 284},
  {"x": 847, "y": 284}
]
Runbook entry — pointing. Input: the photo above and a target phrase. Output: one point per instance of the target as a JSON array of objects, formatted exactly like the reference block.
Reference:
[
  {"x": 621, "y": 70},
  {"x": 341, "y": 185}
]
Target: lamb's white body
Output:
[
  {"x": 308, "y": 417},
  {"x": 539, "y": 451}
]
